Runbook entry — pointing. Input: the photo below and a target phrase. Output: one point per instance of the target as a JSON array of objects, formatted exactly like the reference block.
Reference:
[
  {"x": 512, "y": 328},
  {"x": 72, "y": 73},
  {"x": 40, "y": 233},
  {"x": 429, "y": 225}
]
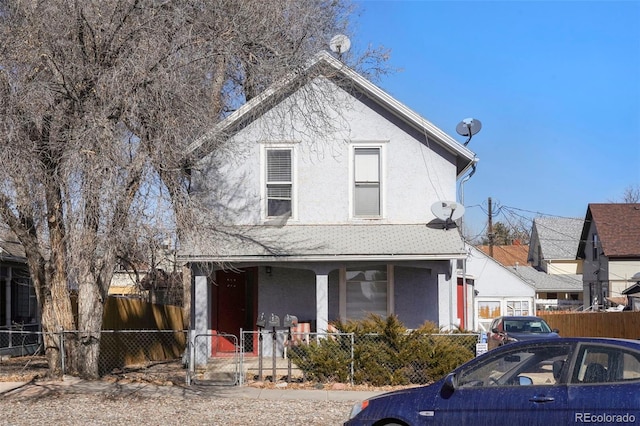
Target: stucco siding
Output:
[
  {"x": 287, "y": 291},
  {"x": 416, "y": 296},
  {"x": 415, "y": 173}
]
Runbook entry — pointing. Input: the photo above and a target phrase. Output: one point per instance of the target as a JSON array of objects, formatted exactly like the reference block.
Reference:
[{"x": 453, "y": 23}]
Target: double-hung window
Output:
[
  {"x": 279, "y": 181},
  {"x": 366, "y": 190}
]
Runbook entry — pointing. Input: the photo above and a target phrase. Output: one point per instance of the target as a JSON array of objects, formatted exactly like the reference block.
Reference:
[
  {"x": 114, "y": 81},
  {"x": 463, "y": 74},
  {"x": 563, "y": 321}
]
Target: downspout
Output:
[{"x": 464, "y": 261}]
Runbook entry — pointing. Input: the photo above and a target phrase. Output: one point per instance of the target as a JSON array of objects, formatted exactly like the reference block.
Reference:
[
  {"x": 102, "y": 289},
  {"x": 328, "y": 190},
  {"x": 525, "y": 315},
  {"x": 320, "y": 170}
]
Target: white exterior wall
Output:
[
  {"x": 414, "y": 174},
  {"x": 620, "y": 272},
  {"x": 495, "y": 284}
]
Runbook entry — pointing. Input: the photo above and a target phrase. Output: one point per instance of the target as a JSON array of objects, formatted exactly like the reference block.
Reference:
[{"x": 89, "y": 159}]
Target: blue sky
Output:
[{"x": 555, "y": 84}]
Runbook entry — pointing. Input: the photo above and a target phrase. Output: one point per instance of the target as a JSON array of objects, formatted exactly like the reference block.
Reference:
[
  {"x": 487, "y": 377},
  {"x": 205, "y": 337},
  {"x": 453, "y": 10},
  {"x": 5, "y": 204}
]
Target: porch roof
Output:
[{"x": 318, "y": 243}]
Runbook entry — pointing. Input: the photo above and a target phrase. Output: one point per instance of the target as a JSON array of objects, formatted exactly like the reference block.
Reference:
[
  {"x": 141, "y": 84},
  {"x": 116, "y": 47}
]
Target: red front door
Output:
[{"x": 233, "y": 306}]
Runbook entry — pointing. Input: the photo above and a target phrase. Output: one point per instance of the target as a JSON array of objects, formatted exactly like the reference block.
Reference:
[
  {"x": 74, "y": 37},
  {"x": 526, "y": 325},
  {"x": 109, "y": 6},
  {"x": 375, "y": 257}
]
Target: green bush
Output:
[{"x": 384, "y": 353}]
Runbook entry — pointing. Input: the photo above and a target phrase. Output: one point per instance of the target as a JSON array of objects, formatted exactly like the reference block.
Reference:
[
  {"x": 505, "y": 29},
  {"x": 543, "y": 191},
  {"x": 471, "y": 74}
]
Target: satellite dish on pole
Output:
[
  {"x": 447, "y": 211},
  {"x": 340, "y": 44},
  {"x": 468, "y": 127}
]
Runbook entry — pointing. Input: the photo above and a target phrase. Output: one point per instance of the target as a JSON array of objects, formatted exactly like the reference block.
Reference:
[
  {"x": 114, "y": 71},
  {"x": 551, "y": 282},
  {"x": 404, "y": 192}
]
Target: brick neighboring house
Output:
[{"x": 610, "y": 249}]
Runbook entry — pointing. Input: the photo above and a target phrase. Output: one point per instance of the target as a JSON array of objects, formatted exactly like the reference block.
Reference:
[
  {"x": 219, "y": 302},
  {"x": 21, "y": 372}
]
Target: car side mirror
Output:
[
  {"x": 449, "y": 385},
  {"x": 525, "y": 381},
  {"x": 555, "y": 330}
]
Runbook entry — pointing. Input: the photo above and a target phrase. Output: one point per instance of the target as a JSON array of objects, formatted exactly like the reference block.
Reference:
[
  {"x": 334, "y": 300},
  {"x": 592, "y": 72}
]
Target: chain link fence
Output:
[
  {"x": 136, "y": 355},
  {"x": 268, "y": 355},
  {"x": 356, "y": 359}
]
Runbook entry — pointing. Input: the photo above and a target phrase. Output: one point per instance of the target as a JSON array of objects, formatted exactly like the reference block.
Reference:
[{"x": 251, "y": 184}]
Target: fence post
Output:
[
  {"x": 61, "y": 345},
  {"x": 352, "y": 358}
]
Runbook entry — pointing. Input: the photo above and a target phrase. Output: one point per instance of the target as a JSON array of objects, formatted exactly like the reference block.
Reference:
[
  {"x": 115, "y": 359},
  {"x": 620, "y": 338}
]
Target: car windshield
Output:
[{"x": 526, "y": 326}]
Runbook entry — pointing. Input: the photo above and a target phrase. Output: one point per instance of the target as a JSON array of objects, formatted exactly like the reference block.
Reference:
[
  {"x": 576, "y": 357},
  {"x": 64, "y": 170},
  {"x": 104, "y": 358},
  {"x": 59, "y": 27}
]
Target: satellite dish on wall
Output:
[
  {"x": 340, "y": 44},
  {"x": 468, "y": 127},
  {"x": 447, "y": 211}
]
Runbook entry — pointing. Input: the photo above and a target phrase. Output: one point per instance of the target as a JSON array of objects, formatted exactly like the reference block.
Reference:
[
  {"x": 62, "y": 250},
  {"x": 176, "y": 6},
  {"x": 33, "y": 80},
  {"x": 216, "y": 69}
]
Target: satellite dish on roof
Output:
[
  {"x": 448, "y": 211},
  {"x": 340, "y": 44},
  {"x": 468, "y": 127}
]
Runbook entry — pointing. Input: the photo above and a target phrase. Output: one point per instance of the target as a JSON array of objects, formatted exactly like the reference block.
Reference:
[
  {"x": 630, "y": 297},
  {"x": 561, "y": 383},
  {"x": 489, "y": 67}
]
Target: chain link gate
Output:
[{"x": 214, "y": 359}]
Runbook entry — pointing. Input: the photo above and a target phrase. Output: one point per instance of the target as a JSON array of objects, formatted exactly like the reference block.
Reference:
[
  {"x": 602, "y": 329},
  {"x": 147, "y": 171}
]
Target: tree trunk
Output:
[{"x": 90, "y": 312}]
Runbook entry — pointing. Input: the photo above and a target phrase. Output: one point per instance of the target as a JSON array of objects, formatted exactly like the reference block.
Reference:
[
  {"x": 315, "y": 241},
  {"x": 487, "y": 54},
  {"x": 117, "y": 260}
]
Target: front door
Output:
[{"x": 233, "y": 301}]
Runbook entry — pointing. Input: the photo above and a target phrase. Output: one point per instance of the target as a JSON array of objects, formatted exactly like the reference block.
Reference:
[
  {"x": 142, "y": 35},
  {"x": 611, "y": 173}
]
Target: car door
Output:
[
  {"x": 604, "y": 385},
  {"x": 517, "y": 385}
]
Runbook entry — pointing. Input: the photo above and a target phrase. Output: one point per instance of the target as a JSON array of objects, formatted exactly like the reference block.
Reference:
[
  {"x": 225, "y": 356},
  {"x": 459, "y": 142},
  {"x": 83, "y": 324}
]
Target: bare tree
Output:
[
  {"x": 98, "y": 101},
  {"x": 631, "y": 194}
]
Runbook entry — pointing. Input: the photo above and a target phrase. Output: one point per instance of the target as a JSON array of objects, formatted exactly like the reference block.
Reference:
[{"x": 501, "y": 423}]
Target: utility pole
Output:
[{"x": 490, "y": 234}]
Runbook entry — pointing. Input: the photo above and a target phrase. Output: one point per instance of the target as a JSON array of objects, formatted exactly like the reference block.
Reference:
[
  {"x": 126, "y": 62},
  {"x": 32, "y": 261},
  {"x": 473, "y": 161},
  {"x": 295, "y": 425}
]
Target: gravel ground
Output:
[
  {"x": 100, "y": 410},
  {"x": 102, "y": 403}
]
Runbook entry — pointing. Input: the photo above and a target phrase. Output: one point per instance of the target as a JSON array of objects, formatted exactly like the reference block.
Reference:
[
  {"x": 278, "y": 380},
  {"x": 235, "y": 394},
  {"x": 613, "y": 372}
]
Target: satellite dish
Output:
[
  {"x": 448, "y": 211},
  {"x": 468, "y": 127},
  {"x": 340, "y": 44}
]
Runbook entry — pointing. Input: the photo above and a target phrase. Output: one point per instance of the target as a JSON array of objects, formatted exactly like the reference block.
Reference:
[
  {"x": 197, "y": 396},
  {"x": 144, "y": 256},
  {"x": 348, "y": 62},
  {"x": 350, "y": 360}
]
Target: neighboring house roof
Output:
[
  {"x": 325, "y": 64},
  {"x": 331, "y": 242},
  {"x": 10, "y": 247},
  {"x": 617, "y": 226},
  {"x": 549, "y": 283},
  {"x": 511, "y": 255},
  {"x": 633, "y": 290},
  {"x": 558, "y": 237}
]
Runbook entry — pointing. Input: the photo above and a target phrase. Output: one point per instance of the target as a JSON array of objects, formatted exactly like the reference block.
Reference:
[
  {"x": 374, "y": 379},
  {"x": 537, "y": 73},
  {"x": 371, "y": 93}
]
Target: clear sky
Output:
[{"x": 556, "y": 85}]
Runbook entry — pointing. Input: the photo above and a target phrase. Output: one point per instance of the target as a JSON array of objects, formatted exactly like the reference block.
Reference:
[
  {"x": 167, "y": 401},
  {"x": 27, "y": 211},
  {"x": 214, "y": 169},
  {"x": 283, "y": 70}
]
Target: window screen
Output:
[{"x": 278, "y": 182}]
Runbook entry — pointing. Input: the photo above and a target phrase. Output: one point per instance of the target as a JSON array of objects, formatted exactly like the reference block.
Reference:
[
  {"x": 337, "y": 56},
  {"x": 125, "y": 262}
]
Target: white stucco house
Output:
[{"x": 326, "y": 221}]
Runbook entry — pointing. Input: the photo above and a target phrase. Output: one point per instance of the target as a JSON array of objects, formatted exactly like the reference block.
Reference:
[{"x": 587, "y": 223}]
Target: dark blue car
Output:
[{"x": 560, "y": 381}]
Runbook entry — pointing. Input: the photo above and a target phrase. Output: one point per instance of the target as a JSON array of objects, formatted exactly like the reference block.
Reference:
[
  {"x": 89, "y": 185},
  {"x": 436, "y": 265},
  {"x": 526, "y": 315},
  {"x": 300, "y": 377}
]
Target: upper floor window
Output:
[
  {"x": 279, "y": 181},
  {"x": 366, "y": 190},
  {"x": 595, "y": 246}
]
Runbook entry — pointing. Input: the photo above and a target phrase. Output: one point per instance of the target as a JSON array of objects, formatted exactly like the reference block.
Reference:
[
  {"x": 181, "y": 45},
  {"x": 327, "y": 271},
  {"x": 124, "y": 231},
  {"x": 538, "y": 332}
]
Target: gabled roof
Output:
[
  {"x": 558, "y": 237},
  {"x": 326, "y": 65},
  {"x": 549, "y": 282},
  {"x": 617, "y": 226},
  {"x": 511, "y": 255},
  {"x": 314, "y": 243}
]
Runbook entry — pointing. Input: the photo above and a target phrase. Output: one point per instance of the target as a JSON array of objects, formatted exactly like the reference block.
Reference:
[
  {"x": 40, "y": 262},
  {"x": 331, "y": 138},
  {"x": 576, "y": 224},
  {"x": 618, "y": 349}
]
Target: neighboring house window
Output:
[
  {"x": 279, "y": 181},
  {"x": 366, "y": 190},
  {"x": 367, "y": 290},
  {"x": 517, "y": 307},
  {"x": 595, "y": 246}
]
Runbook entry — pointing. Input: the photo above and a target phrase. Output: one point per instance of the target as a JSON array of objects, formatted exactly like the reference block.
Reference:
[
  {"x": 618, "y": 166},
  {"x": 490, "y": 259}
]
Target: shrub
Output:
[{"x": 384, "y": 353}]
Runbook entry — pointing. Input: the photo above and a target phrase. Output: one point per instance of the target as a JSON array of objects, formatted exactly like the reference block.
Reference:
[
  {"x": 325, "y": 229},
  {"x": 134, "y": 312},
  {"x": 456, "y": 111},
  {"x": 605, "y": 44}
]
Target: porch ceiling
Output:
[{"x": 326, "y": 242}]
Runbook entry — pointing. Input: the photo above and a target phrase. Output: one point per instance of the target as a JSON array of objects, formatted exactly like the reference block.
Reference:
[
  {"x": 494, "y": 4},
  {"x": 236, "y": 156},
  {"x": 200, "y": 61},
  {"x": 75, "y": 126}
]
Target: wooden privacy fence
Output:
[
  {"x": 625, "y": 324},
  {"x": 138, "y": 332}
]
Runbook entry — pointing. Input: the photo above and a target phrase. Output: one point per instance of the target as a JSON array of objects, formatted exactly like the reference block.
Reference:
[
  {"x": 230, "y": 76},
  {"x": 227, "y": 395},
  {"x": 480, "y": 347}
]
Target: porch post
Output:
[
  {"x": 322, "y": 303},
  {"x": 8, "y": 295},
  {"x": 447, "y": 297},
  {"x": 200, "y": 319}
]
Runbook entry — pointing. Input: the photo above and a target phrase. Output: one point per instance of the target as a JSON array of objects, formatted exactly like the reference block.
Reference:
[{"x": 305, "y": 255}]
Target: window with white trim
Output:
[
  {"x": 518, "y": 307},
  {"x": 367, "y": 291},
  {"x": 279, "y": 181},
  {"x": 366, "y": 190}
]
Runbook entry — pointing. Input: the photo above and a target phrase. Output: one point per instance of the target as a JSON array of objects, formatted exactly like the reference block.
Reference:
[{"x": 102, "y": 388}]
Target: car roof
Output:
[
  {"x": 629, "y": 343},
  {"x": 520, "y": 317}
]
